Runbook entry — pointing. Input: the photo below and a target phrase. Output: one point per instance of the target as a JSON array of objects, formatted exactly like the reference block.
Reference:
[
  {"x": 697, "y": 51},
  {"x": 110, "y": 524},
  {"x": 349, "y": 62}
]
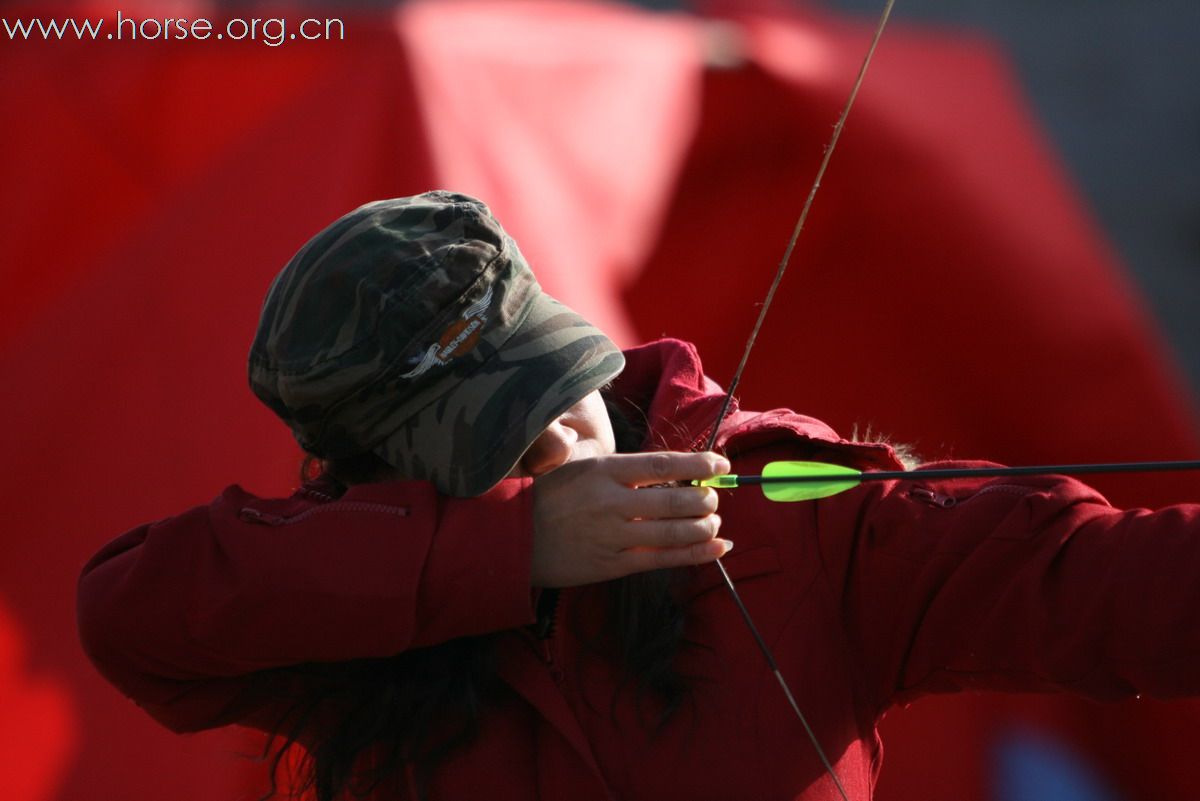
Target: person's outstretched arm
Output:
[{"x": 1030, "y": 585}]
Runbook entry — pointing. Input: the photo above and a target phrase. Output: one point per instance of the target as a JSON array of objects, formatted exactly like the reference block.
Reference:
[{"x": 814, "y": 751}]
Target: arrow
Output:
[{"x": 807, "y": 481}]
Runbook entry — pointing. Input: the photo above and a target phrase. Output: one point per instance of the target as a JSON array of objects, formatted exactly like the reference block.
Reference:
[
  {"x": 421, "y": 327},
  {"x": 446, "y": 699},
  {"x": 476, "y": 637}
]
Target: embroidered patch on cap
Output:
[{"x": 458, "y": 340}]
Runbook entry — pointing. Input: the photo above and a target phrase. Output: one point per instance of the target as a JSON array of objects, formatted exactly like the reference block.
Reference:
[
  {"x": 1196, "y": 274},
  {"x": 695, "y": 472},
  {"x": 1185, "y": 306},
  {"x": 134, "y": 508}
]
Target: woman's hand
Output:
[{"x": 603, "y": 518}]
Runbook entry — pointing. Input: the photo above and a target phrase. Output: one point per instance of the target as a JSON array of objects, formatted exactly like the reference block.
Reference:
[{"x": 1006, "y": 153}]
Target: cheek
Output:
[
  {"x": 610, "y": 439},
  {"x": 602, "y": 432}
]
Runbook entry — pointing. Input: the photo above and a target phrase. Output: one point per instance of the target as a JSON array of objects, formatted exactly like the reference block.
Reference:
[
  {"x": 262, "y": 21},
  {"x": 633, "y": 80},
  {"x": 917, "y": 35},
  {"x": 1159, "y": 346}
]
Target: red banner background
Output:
[{"x": 950, "y": 292}]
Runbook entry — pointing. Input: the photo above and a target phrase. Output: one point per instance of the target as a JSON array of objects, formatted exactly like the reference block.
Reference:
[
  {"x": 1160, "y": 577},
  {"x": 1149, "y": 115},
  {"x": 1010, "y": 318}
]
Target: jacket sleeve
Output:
[
  {"x": 1031, "y": 586},
  {"x": 187, "y": 614}
]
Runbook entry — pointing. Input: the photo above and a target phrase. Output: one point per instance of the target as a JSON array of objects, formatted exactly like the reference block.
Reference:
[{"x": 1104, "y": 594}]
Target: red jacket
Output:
[{"x": 868, "y": 598}]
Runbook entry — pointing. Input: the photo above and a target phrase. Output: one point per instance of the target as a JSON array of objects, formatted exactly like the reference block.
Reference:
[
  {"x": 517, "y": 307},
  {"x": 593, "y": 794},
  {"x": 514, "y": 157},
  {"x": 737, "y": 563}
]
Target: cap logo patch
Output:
[{"x": 459, "y": 339}]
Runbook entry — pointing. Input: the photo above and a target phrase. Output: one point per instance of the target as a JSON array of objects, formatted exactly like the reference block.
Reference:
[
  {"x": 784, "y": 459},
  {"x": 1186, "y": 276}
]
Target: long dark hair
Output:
[{"x": 368, "y": 722}]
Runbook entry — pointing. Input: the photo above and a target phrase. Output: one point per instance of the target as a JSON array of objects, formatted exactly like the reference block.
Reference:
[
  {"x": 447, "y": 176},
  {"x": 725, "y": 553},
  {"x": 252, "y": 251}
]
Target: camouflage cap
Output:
[{"x": 413, "y": 328}]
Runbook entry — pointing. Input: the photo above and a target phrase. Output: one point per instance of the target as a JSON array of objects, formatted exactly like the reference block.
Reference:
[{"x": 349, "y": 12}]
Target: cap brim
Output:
[{"x": 470, "y": 439}]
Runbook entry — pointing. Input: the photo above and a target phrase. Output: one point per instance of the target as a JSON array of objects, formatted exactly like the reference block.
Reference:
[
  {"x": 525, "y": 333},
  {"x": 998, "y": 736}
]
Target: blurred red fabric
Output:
[{"x": 153, "y": 189}]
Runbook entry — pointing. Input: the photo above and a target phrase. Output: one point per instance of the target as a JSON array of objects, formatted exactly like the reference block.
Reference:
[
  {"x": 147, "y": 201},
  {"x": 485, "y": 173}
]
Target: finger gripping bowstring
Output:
[{"x": 737, "y": 376}]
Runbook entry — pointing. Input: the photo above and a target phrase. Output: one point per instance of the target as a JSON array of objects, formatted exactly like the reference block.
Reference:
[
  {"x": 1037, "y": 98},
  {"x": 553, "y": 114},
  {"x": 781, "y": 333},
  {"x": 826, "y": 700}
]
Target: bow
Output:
[{"x": 737, "y": 376}]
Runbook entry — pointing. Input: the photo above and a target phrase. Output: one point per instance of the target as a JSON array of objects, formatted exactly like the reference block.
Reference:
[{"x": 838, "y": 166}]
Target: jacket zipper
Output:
[
  {"x": 944, "y": 501},
  {"x": 545, "y": 629},
  {"x": 252, "y": 515},
  {"x": 547, "y": 609},
  {"x": 933, "y": 498}
]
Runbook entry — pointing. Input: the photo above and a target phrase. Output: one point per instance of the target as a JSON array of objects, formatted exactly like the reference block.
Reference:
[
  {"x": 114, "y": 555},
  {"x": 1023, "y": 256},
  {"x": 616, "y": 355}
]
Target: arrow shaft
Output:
[{"x": 979, "y": 472}]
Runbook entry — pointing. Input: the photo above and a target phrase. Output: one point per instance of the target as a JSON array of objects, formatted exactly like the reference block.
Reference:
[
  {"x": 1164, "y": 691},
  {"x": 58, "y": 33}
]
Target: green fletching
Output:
[
  {"x": 817, "y": 480},
  {"x": 792, "y": 481},
  {"x": 720, "y": 482}
]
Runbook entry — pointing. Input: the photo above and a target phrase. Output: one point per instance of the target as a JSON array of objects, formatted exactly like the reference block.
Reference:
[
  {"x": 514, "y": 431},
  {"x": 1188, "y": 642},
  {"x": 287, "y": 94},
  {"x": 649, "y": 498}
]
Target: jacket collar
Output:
[{"x": 665, "y": 381}]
